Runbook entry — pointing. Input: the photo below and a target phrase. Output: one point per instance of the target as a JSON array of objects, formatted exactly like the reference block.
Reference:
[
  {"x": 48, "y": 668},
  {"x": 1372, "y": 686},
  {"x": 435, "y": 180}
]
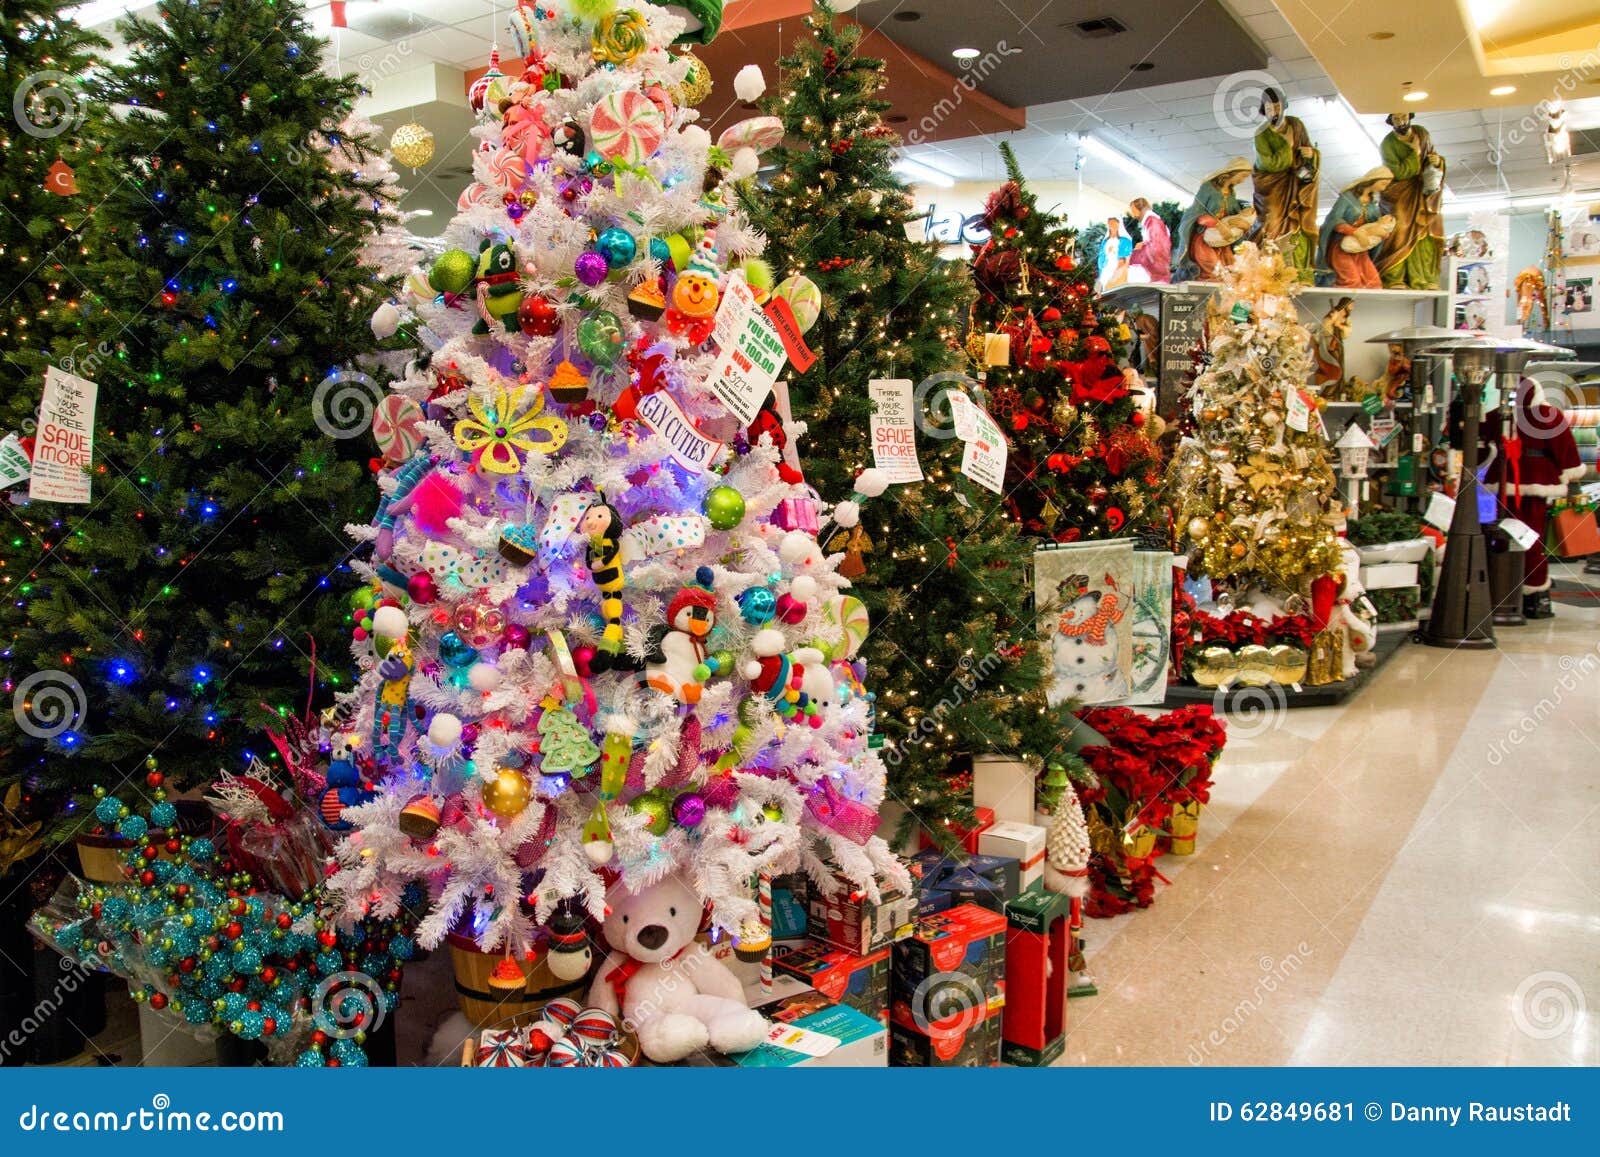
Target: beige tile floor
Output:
[{"x": 1412, "y": 877}]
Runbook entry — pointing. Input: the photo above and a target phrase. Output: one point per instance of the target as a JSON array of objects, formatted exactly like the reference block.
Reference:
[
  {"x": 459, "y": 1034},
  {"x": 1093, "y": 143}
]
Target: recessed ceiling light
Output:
[
  {"x": 1503, "y": 90},
  {"x": 1142, "y": 66},
  {"x": 1380, "y": 36},
  {"x": 965, "y": 53},
  {"x": 908, "y": 16},
  {"x": 896, "y": 118},
  {"x": 1415, "y": 96}
]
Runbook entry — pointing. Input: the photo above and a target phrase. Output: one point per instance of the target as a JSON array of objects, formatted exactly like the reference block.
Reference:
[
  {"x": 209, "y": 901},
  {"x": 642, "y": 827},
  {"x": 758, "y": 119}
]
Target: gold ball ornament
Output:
[
  {"x": 412, "y": 145},
  {"x": 1198, "y": 529},
  {"x": 508, "y": 793},
  {"x": 696, "y": 85}
]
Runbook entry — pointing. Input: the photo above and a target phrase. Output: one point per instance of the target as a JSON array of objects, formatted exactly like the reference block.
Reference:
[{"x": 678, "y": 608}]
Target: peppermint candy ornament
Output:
[
  {"x": 627, "y": 127},
  {"x": 508, "y": 169},
  {"x": 594, "y": 1026},
  {"x": 396, "y": 426},
  {"x": 474, "y": 195},
  {"x": 564, "y": 1054}
]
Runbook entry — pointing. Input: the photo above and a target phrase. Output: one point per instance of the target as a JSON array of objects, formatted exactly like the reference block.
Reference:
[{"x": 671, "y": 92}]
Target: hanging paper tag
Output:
[
  {"x": 1299, "y": 416},
  {"x": 14, "y": 464},
  {"x": 1520, "y": 532},
  {"x": 752, "y": 354},
  {"x": 64, "y": 447},
  {"x": 1372, "y": 403},
  {"x": 894, "y": 436},
  {"x": 1384, "y": 431},
  {"x": 983, "y": 458},
  {"x": 1240, "y": 311},
  {"x": 690, "y": 448},
  {"x": 781, "y": 314}
]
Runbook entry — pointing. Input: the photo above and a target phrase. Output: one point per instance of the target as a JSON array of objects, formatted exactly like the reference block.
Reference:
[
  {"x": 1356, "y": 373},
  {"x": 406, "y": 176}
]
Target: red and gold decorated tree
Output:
[{"x": 1084, "y": 463}]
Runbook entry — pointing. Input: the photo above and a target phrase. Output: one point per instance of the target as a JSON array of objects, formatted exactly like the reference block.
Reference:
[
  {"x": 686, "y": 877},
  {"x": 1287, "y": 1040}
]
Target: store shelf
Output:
[
  {"x": 1357, "y": 406},
  {"x": 1131, "y": 293},
  {"x": 1251, "y": 699}
]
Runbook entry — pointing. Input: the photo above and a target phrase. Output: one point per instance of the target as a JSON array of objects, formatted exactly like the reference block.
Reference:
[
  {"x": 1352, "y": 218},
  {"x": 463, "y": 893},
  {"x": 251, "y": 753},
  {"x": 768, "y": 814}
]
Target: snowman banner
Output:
[
  {"x": 1085, "y": 595},
  {"x": 1152, "y": 626}
]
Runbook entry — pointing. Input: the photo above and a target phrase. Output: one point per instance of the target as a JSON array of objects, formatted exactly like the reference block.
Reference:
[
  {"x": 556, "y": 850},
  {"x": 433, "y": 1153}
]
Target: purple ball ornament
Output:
[
  {"x": 591, "y": 268},
  {"x": 689, "y": 809}
]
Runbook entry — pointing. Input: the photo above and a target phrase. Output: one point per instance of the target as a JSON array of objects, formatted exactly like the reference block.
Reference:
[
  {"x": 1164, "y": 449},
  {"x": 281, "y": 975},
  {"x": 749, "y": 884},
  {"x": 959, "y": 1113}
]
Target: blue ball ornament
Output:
[
  {"x": 617, "y": 246},
  {"x": 757, "y": 606},
  {"x": 108, "y": 809},
  {"x": 456, "y": 651},
  {"x": 163, "y": 814},
  {"x": 660, "y": 252},
  {"x": 133, "y": 828}
]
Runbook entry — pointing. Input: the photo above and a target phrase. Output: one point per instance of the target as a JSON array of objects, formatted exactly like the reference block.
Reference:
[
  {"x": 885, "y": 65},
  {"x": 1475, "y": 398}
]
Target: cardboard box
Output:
[
  {"x": 852, "y": 922},
  {"x": 861, "y": 982},
  {"x": 968, "y": 837},
  {"x": 1383, "y": 575},
  {"x": 789, "y": 895},
  {"x": 1023, "y": 842},
  {"x": 968, "y": 1041},
  {"x": 964, "y": 886},
  {"x": 932, "y": 865},
  {"x": 1039, "y": 944},
  {"x": 967, "y": 940},
  {"x": 1004, "y": 786},
  {"x": 808, "y": 1031}
]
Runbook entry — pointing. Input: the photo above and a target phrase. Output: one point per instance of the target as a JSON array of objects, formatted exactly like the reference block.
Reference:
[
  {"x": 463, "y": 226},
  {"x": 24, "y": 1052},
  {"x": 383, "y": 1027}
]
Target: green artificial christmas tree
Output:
[
  {"x": 48, "y": 146},
  {"x": 217, "y": 287},
  {"x": 1084, "y": 464},
  {"x": 951, "y": 653}
]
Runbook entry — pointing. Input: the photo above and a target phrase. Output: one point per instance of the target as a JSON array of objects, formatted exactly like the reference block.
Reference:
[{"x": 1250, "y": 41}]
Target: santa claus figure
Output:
[{"x": 1533, "y": 458}]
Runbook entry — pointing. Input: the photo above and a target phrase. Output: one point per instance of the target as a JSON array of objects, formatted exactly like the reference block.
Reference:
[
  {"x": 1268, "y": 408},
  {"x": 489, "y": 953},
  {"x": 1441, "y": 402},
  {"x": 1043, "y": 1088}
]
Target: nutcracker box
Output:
[
  {"x": 850, "y": 921},
  {"x": 970, "y": 1039},
  {"x": 967, "y": 939},
  {"x": 968, "y": 837},
  {"x": 808, "y": 1031},
  {"x": 1038, "y": 952},
  {"x": 1023, "y": 843},
  {"x": 862, "y": 982}
]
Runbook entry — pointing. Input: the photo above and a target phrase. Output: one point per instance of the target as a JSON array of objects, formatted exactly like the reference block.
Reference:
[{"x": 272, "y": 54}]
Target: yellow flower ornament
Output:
[{"x": 494, "y": 434}]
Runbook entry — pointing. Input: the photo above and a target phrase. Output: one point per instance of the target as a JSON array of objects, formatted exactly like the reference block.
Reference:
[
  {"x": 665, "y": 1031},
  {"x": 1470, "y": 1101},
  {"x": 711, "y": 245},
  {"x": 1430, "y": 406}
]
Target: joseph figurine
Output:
[
  {"x": 1410, "y": 257},
  {"x": 1285, "y": 179}
]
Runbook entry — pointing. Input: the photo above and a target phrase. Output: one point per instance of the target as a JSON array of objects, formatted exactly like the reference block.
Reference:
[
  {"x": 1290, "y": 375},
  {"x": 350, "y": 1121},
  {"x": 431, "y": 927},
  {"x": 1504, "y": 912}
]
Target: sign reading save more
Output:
[
  {"x": 690, "y": 448},
  {"x": 63, "y": 449}
]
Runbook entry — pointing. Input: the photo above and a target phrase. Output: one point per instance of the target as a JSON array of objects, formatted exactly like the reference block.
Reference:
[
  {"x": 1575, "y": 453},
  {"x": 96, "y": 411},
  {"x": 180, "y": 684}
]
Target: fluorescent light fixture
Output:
[
  {"x": 927, "y": 174},
  {"x": 1336, "y": 107},
  {"x": 1414, "y": 97},
  {"x": 420, "y": 212},
  {"x": 1160, "y": 189},
  {"x": 965, "y": 53},
  {"x": 1503, "y": 90},
  {"x": 99, "y": 11},
  {"x": 1496, "y": 204}
]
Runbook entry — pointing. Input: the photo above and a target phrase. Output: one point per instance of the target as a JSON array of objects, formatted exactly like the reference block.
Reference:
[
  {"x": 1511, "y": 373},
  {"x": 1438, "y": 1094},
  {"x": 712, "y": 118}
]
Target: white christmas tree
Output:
[{"x": 599, "y": 638}]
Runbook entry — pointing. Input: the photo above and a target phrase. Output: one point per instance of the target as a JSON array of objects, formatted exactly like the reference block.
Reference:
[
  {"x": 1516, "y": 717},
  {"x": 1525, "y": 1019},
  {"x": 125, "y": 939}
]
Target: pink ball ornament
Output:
[
  {"x": 517, "y": 637},
  {"x": 422, "y": 588},
  {"x": 591, "y": 268},
  {"x": 583, "y": 660}
]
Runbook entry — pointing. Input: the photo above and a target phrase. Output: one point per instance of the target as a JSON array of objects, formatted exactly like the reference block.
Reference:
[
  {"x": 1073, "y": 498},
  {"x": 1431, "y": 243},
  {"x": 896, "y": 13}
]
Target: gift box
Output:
[
  {"x": 967, "y": 837},
  {"x": 967, "y": 940},
  {"x": 850, "y": 921},
  {"x": 789, "y": 894},
  {"x": 797, "y": 514},
  {"x": 1004, "y": 786},
  {"x": 861, "y": 982},
  {"x": 965, "y": 886},
  {"x": 1022, "y": 842},
  {"x": 1039, "y": 947},
  {"x": 933, "y": 869},
  {"x": 969, "y": 1040},
  {"x": 809, "y": 1031}
]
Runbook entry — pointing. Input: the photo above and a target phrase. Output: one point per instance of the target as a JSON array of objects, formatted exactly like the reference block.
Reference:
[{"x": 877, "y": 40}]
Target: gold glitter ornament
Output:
[
  {"x": 696, "y": 84},
  {"x": 412, "y": 145}
]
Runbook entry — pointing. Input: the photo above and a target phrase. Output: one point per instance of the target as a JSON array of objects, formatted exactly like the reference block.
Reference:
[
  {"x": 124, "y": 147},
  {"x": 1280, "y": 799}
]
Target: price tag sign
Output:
[
  {"x": 1299, "y": 414},
  {"x": 14, "y": 464},
  {"x": 894, "y": 434},
  {"x": 752, "y": 354},
  {"x": 984, "y": 457},
  {"x": 63, "y": 450}
]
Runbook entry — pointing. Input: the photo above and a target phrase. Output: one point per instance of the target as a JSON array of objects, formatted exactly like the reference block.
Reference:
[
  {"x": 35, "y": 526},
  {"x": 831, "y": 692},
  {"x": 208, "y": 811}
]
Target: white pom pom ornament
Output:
[
  {"x": 871, "y": 482},
  {"x": 847, "y": 514},
  {"x": 444, "y": 730},
  {"x": 749, "y": 84},
  {"x": 390, "y": 623},
  {"x": 385, "y": 320}
]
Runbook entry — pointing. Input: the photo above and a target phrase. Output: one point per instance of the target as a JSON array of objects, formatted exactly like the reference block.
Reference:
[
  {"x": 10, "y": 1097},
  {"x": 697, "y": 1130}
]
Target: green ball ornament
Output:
[
  {"x": 452, "y": 271},
  {"x": 658, "y": 808},
  {"x": 617, "y": 246},
  {"x": 773, "y": 812},
  {"x": 600, "y": 337},
  {"x": 724, "y": 506}
]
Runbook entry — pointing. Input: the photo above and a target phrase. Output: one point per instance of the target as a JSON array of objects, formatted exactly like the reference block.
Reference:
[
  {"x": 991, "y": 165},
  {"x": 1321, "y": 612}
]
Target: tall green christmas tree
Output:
[
  {"x": 218, "y": 286},
  {"x": 48, "y": 146},
  {"x": 1084, "y": 464},
  {"x": 952, "y": 652}
]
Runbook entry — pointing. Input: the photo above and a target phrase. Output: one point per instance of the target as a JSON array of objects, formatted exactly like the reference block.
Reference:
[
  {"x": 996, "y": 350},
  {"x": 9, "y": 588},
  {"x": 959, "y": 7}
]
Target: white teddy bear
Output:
[{"x": 667, "y": 987}]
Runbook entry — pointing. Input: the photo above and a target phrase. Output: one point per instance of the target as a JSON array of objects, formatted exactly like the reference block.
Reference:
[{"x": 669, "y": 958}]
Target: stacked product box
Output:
[
  {"x": 860, "y": 982},
  {"x": 948, "y": 990},
  {"x": 850, "y": 921}
]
